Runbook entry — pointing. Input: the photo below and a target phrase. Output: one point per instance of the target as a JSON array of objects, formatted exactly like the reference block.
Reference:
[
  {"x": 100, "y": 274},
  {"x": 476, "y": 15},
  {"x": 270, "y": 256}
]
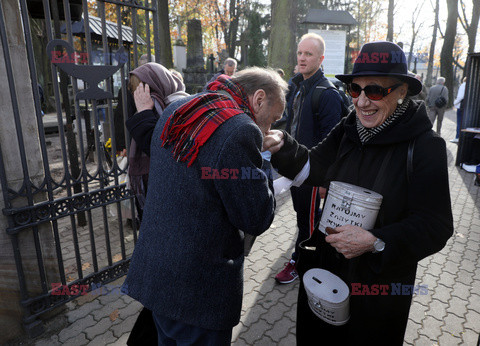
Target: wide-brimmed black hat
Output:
[{"x": 382, "y": 58}]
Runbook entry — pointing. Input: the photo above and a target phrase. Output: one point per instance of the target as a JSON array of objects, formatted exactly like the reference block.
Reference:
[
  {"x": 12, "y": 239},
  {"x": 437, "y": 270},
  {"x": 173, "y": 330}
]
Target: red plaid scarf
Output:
[{"x": 191, "y": 125}]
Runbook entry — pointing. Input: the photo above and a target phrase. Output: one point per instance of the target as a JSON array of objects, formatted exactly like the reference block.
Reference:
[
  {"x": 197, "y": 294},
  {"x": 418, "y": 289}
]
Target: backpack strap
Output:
[{"x": 317, "y": 92}]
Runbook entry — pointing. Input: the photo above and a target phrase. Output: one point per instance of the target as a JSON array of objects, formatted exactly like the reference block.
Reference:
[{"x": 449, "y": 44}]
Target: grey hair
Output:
[
  {"x": 230, "y": 62},
  {"x": 144, "y": 59},
  {"x": 441, "y": 80},
  {"x": 254, "y": 78}
]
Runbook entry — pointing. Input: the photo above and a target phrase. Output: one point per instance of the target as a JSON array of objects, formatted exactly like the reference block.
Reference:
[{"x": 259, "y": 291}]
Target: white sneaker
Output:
[{"x": 455, "y": 140}]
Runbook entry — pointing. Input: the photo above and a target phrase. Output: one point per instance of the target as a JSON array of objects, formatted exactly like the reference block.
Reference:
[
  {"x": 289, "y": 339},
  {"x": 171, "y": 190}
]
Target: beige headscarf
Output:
[{"x": 161, "y": 81}]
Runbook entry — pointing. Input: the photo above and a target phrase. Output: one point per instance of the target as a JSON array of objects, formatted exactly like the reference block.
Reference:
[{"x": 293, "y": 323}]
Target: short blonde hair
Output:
[{"x": 316, "y": 37}]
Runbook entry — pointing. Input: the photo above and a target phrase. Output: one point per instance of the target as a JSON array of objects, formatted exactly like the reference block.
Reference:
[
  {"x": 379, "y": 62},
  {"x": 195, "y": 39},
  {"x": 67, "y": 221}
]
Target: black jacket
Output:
[
  {"x": 415, "y": 218},
  {"x": 313, "y": 124}
]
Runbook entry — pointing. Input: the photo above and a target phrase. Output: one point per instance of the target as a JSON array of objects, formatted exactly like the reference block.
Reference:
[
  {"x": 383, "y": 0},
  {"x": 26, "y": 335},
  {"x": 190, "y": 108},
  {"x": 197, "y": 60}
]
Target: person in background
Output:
[
  {"x": 144, "y": 59},
  {"x": 229, "y": 68},
  {"x": 435, "y": 112},
  {"x": 187, "y": 266},
  {"x": 459, "y": 104},
  {"x": 370, "y": 149},
  {"x": 280, "y": 72},
  {"x": 308, "y": 126}
]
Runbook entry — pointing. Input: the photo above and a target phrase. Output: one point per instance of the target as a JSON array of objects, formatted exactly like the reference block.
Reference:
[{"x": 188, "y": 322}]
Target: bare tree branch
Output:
[
  {"x": 455, "y": 61},
  {"x": 463, "y": 18},
  {"x": 440, "y": 30}
]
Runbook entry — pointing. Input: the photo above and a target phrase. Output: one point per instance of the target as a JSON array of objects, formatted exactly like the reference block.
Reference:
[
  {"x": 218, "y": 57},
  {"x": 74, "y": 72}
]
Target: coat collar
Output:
[
  {"x": 307, "y": 83},
  {"x": 411, "y": 124}
]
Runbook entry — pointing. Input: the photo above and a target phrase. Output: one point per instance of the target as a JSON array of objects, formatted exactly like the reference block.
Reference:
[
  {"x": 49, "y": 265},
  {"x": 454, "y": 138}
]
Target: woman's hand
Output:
[
  {"x": 143, "y": 100},
  {"x": 273, "y": 141},
  {"x": 351, "y": 241}
]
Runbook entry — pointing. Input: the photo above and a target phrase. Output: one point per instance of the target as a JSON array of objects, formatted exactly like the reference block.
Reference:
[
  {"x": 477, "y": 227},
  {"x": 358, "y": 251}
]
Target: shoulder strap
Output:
[
  {"x": 411, "y": 147},
  {"x": 317, "y": 92}
]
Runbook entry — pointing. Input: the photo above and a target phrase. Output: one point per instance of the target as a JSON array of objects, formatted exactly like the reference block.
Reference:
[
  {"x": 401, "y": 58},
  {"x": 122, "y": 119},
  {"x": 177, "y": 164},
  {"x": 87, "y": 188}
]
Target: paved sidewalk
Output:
[{"x": 448, "y": 315}]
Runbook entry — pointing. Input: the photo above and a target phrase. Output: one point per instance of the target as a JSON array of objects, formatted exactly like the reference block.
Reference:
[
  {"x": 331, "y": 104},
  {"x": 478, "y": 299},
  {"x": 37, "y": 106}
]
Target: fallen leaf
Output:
[
  {"x": 85, "y": 266},
  {"x": 114, "y": 315},
  {"x": 117, "y": 257}
]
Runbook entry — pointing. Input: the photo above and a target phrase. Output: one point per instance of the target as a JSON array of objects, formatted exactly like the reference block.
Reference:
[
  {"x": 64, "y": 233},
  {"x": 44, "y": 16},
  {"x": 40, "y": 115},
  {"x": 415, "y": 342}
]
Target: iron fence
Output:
[{"x": 81, "y": 202}]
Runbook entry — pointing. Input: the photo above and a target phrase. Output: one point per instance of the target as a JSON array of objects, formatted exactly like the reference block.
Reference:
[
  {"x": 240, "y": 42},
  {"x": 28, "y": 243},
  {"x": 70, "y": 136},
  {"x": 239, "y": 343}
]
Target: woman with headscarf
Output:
[
  {"x": 386, "y": 129},
  {"x": 164, "y": 88}
]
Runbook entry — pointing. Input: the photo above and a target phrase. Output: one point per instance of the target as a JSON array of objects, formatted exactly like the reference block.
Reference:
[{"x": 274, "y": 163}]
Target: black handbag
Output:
[{"x": 440, "y": 101}]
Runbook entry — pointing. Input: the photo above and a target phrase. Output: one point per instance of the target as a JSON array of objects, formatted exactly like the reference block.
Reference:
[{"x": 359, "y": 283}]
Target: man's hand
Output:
[
  {"x": 351, "y": 241},
  {"x": 273, "y": 141},
  {"x": 143, "y": 100}
]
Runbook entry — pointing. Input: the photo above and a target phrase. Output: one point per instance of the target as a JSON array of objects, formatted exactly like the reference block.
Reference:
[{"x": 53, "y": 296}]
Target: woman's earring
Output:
[{"x": 400, "y": 101}]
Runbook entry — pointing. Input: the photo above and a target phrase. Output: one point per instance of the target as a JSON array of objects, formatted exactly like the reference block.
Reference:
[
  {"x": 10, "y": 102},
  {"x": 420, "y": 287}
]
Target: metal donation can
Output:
[
  {"x": 347, "y": 204},
  {"x": 328, "y": 296}
]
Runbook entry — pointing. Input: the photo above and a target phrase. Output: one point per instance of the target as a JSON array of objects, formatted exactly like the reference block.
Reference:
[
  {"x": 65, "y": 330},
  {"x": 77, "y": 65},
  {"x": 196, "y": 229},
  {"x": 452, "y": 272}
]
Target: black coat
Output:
[{"x": 415, "y": 219}]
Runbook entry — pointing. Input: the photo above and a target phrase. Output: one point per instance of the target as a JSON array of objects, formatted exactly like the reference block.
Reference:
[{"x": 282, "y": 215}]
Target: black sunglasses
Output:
[{"x": 373, "y": 92}]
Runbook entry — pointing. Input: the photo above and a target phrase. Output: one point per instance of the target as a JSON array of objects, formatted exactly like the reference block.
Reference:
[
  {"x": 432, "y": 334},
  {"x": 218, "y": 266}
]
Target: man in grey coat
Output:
[
  {"x": 209, "y": 183},
  {"x": 434, "y": 111}
]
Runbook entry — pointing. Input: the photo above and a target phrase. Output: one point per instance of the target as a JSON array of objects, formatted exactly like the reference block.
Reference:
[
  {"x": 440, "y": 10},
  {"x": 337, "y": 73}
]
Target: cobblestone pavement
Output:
[{"x": 448, "y": 315}]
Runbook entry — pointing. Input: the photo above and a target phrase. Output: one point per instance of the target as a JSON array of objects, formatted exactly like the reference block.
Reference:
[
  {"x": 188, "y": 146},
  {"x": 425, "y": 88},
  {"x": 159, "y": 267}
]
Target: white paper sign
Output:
[{"x": 335, "y": 45}]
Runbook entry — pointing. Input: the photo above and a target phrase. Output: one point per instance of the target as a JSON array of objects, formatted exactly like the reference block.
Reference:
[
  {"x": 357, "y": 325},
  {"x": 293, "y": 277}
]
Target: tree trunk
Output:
[
  {"x": 233, "y": 28},
  {"x": 282, "y": 36},
  {"x": 446, "y": 56},
  {"x": 472, "y": 30},
  {"x": 428, "y": 78},
  {"x": 391, "y": 5},
  {"x": 411, "y": 50},
  {"x": 164, "y": 34}
]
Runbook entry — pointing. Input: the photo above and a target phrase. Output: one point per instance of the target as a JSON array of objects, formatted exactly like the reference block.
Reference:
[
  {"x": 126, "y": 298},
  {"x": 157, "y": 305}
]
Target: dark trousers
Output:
[
  {"x": 171, "y": 333},
  {"x": 459, "y": 121},
  {"x": 306, "y": 202}
]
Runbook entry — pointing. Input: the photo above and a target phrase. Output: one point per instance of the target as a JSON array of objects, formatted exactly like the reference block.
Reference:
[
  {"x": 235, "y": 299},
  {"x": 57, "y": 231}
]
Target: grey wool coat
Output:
[{"x": 188, "y": 262}]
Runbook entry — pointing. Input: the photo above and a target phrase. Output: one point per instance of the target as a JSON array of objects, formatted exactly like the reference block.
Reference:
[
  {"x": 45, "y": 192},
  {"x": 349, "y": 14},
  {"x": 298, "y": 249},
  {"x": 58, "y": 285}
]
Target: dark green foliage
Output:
[{"x": 256, "y": 56}]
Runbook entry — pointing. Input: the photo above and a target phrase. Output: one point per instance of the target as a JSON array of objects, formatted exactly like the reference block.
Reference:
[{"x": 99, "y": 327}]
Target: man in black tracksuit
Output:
[{"x": 309, "y": 127}]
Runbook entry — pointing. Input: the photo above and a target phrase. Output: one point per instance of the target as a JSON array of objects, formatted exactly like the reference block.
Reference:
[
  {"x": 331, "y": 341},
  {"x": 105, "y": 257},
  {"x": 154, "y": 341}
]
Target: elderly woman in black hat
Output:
[{"x": 386, "y": 144}]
